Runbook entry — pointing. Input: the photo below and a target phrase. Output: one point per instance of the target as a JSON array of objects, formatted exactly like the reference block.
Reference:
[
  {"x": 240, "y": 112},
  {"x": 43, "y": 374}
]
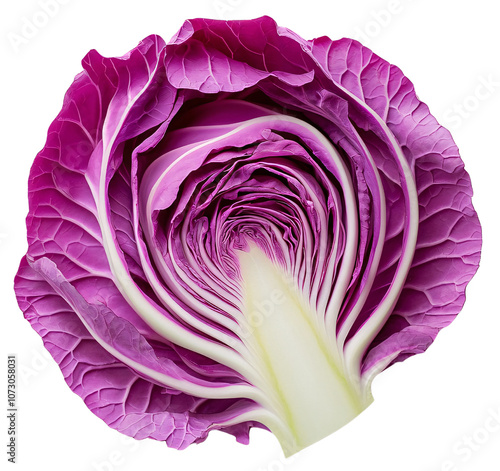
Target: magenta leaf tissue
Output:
[{"x": 241, "y": 228}]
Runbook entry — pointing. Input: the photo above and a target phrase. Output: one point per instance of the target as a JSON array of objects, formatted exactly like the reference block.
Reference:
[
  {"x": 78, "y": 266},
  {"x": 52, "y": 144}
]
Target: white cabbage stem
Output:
[{"x": 312, "y": 394}]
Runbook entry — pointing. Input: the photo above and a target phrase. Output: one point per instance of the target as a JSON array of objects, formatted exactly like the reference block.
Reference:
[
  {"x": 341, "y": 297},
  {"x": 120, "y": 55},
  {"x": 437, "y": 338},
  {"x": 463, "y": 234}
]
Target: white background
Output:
[{"x": 431, "y": 412}]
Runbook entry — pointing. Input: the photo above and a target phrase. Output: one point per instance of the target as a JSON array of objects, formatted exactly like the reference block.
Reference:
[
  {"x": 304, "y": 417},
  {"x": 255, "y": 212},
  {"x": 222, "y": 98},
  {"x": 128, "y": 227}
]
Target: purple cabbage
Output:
[{"x": 179, "y": 180}]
